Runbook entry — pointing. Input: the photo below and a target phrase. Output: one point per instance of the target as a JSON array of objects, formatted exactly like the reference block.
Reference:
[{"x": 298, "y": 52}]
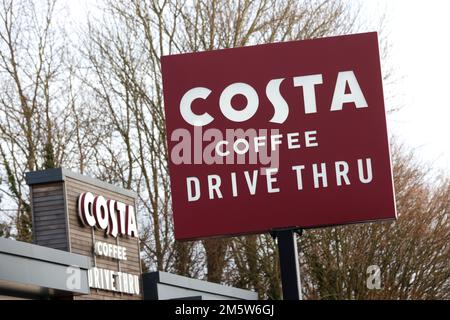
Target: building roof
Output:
[
  {"x": 60, "y": 174},
  {"x": 29, "y": 270}
]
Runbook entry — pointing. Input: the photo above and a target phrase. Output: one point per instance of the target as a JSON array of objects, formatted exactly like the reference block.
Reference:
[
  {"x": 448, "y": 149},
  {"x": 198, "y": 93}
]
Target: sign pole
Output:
[{"x": 289, "y": 268}]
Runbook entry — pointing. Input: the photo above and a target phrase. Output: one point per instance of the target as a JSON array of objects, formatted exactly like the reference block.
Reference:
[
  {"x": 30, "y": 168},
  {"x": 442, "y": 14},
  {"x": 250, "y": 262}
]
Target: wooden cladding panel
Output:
[{"x": 49, "y": 216}]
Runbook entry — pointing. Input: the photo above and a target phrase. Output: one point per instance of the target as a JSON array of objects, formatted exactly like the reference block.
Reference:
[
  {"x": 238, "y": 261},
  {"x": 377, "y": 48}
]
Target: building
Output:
[{"x": 86, "y": 246}]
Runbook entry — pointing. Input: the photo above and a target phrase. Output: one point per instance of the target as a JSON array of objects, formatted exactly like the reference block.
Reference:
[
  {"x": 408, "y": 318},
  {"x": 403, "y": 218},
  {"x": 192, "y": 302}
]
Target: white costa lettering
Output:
[
  {"x": 116, "y": 218},
  {"x": 307, "y": 84}
]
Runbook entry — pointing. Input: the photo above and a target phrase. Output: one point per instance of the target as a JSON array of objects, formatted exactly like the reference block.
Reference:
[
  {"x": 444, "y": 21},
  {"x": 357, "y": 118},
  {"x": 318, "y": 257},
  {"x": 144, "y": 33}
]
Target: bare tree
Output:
[
  {"x": 124, "y": 78},
  {"x": 32, "y": 117},
  {"x": 411, "y": 253}
]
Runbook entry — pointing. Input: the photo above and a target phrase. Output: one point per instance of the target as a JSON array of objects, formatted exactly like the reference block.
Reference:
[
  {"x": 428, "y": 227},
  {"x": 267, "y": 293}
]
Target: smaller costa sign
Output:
[{"x": 115, "y": 217}]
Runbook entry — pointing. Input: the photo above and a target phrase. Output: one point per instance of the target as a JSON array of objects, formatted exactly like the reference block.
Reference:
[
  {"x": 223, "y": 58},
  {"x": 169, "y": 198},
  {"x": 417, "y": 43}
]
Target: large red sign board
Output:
[{"x": 283, "y": 135}]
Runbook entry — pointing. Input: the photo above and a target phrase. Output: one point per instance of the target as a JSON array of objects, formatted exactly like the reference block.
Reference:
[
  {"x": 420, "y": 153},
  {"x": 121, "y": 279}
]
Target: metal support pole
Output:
[{"x": 289, "y": 268}]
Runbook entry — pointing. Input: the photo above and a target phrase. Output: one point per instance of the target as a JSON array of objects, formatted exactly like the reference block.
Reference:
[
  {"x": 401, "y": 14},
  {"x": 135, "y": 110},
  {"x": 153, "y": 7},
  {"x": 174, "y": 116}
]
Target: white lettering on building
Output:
[
  {"x": 115, "y": 217},
  {"x": 110, "y": 250},
  {"x": 113, "y": 281}
]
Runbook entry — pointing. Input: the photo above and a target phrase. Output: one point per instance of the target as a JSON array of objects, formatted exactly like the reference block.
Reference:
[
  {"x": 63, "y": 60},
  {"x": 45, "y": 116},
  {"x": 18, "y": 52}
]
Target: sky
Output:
[
  {"x": 419, "y": 36},
  {"x": 418, "y": 33}
]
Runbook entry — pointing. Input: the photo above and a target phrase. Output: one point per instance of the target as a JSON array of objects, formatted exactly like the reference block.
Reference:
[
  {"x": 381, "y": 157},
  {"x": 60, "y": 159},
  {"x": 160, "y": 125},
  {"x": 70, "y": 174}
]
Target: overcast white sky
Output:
[{"x": 419, "y": 34}]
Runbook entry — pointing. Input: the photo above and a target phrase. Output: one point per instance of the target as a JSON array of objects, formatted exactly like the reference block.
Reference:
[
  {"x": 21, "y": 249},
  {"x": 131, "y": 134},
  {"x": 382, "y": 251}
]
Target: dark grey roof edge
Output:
[
  {"x": 205, "y": 286},
  {"x": 44, "y": 176},
  {"x": 60, "y": 174},
  {"x": 150, "y": 285},
  {"x": 36, "y": 252}
]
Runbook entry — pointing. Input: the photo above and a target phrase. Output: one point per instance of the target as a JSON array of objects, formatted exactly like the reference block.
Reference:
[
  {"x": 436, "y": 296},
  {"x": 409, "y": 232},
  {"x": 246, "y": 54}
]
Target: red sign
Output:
[{"x": 283, "y": 135}]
